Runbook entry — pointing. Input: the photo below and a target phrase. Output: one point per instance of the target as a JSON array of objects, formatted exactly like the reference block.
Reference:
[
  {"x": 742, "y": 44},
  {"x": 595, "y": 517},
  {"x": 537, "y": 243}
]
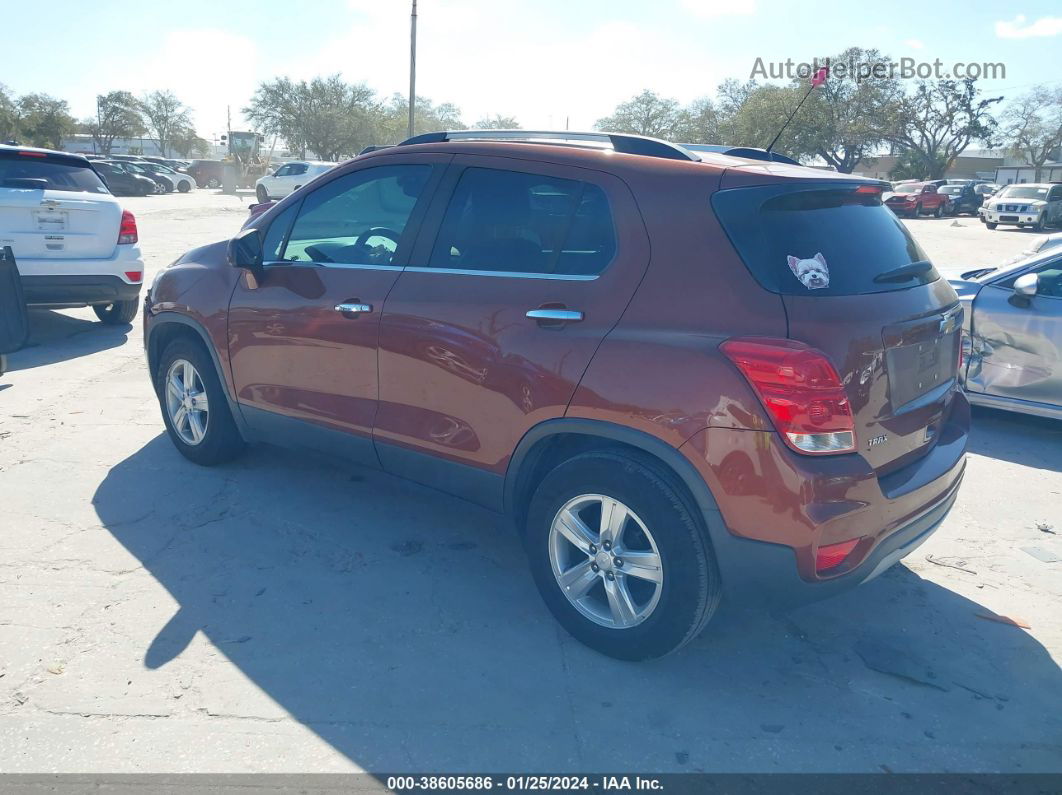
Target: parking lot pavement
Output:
[{"x": 284, "y": 613}]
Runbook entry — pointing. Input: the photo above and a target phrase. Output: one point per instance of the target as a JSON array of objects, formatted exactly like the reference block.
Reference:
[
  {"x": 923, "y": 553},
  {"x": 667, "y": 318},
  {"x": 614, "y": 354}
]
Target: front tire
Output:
[
  {"x": 619, "y": 557},
  {"x": 118, "y": 313},
  {"x": 939, "y": 212},
  {"x": 262, "y": 194},
  {"x": 991, "y": 225},
  {"x": 194, "y": 406}
]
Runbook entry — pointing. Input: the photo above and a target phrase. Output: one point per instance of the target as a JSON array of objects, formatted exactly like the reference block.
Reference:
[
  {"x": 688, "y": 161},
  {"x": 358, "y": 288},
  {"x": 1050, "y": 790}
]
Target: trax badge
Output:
[{"x": 878, "y": 440}]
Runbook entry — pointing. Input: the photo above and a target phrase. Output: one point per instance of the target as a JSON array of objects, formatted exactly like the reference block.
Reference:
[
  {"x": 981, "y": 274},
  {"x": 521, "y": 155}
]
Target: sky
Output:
[{"x": 547, "y": 62}]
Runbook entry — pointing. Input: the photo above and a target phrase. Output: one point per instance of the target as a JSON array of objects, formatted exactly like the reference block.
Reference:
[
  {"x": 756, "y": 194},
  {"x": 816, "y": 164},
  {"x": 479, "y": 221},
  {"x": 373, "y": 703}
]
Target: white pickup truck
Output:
[{"x": 73, "y": 242}]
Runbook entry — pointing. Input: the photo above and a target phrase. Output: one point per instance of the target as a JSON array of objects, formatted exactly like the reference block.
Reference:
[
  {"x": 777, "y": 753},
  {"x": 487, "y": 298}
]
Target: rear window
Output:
[
  {"x": 57, "y": 174},
  {"x": 821, "y": 240}
]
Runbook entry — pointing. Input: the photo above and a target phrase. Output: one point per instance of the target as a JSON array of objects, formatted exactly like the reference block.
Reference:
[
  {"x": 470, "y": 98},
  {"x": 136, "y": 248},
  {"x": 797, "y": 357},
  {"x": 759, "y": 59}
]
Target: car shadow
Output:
[
  {"x": 1019, "y": 438},
  {"x": 403, "y": 628},
  {"x": 57, "y": 337}
]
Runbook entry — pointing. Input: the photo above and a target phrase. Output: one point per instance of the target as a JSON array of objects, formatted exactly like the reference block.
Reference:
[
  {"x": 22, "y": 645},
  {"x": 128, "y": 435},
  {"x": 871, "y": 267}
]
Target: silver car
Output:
[
  {"x": 1035, "y": 205},
  {"x": 1012, "y": 335}
]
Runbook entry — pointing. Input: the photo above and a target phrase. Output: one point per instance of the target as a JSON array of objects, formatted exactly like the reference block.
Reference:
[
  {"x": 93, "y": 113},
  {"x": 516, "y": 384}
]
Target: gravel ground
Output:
[{"x": 285, "y": 614}]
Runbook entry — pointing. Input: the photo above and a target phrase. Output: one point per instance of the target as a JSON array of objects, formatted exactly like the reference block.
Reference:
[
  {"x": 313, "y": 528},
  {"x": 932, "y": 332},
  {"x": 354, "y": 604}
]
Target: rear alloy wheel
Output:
[
  {"x": 194, "y": 406},
  {"x": 262, "y": 194},
  {"x": 213, "y": 182},
  {"x": 118, "y": 313},
  {"x": 618, "y": 556}
]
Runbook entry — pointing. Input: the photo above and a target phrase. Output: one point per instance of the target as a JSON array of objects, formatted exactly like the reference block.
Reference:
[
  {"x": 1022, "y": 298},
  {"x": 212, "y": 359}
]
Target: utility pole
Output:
[{"x": 412, "y": 68}]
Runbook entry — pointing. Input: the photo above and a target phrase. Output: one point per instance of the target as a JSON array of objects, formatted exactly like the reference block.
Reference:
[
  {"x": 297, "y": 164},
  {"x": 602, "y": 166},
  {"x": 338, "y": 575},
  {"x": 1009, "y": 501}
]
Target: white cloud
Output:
[
  {"x": 1017, "y": 29},
  {"x": 709, "y": 9},
  {"x": 914, "y": 44}
]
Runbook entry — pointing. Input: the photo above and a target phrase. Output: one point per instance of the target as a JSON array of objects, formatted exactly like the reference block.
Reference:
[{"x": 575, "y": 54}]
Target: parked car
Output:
[
  {"x": 681, "y": 375},
  {"x": 207, "y": 173},
  {"x": 122, "y": 182},
  {"x": 917, "y": 198},
  {"x": 163, "y": 184},
  {"x": 1013, "y": 334},
  {"x": 289, "y": 177},
  {"x": 963, "y": 198},
  {"x": 181, "y": 182},
  {"x": 1035, "y": 205},
  {"x": 74, "y": 244}
]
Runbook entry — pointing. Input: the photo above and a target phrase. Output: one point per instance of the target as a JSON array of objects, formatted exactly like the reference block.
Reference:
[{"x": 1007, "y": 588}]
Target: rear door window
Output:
[
  {"x": 50, "y": 173},
  {"x": 518, "y": 222},
  {"x": 826, "y": 239}
]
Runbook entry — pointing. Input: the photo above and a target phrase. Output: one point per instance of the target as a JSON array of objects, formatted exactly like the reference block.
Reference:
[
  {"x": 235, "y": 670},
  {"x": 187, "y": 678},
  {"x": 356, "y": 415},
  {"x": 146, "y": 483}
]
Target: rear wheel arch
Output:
[{"x": 550, "y": 443}]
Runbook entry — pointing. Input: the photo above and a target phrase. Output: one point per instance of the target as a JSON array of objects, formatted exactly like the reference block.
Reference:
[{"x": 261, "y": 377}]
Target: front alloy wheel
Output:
[
  {"x": 186, "y": 402},
  {"x": 606, "y": 561}
]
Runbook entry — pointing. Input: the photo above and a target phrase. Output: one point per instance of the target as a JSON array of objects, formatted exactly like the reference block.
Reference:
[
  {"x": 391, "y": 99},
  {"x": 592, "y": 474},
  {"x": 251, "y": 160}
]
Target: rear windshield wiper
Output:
[{"x": 905, "y": 272}]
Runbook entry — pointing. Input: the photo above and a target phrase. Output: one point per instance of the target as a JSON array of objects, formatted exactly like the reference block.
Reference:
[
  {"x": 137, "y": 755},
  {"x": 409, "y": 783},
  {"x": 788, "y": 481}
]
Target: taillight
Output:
[
  {"x": 134, "y": 276},
  {"x": 127, "y": 230},
  {"x": 800, "y": 390},
  {"x": 833, "y": 555}
]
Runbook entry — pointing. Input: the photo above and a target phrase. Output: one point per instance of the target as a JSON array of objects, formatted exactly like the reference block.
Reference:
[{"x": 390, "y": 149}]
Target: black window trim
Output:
[{"x": 436, "y": 214}]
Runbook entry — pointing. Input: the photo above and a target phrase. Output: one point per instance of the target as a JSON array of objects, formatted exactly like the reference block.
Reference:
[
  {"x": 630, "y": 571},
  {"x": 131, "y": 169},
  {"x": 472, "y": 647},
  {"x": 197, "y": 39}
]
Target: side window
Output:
[
  {"x": 297, "y": 168},
  {"x": 273, "y": 242},
  {"x": 516, "y": 222},
  {"x": 357, "y": 219},
  {"x": 283, "y": 171}
]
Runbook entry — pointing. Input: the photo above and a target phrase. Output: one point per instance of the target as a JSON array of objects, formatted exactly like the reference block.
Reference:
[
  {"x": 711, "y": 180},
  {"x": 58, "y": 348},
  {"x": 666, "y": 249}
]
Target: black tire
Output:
[
  {"x": 183, "y": 186},
  {"x": 991, "y": 225},
  {"x": 213, "y": 182},
  {"x": 691, "y": 587},
  {"x": 221, "y": 441},
  {"x": 1039, "y": 225},
  {"x": 118, "y": 313},
  {"x": 262, "y": 194},
  {"x": 939, "y": 212}
]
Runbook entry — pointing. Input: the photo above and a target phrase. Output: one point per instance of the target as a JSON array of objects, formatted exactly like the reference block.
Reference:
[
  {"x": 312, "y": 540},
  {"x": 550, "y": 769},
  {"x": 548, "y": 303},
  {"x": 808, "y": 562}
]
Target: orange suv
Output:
[{"x": 684, "y": 376}]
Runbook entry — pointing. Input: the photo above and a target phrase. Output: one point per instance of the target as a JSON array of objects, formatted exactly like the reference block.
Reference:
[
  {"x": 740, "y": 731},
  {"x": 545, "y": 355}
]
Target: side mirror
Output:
[
  {"x": 245, "y": 250},
  {"x": 1025, "y": 288},
  {"x": 1027, "y": 285}
]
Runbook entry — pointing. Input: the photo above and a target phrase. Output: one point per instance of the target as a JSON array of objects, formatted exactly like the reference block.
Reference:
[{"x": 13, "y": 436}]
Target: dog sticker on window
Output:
[{"x": 812, "y": 273}]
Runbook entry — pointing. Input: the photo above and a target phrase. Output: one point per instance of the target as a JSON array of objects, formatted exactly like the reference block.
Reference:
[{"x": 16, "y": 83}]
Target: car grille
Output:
[{"x": 1014, "y": 208}]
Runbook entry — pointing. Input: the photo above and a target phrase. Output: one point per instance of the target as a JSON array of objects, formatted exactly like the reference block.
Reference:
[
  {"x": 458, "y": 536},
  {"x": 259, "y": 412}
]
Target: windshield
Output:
[
  {"x": 952, "y": 190},
  {"x": 1024, "y": 192},
  {"x": 57, "y": 174},
  {"x": 907, "y": 189}
]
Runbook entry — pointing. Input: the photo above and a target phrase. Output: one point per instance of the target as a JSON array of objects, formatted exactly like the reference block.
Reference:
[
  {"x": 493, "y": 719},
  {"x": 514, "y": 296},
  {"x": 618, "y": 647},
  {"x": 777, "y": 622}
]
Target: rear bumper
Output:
[
  {"x": 77, "y": 290},
  {"x": 778, "y": 508}
]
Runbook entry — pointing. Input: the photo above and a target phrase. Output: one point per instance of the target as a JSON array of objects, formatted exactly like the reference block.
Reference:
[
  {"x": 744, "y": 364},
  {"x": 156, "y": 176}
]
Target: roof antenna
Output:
[{"x": 817, "y": 80}]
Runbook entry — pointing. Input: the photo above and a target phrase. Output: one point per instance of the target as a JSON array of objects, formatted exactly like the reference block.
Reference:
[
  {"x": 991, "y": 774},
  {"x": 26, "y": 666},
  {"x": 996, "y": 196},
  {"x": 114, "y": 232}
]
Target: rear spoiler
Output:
[{"x": 748, "y": 152}]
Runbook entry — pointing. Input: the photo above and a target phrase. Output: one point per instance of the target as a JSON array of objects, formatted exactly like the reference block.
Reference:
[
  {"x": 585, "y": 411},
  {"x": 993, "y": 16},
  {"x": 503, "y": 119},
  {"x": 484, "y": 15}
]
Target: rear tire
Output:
[
  {"x": 213, "y": 182},
  {"x": 118, "y": 313},
  {"x": 184, "y": 187},
  {"x": 611, "y": 609},
  {"x": 216, "y": 439}
]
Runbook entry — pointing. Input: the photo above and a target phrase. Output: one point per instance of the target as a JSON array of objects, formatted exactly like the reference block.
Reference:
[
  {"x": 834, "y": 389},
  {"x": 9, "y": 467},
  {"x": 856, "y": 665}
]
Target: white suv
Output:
[
  {"x": 1036, "y": 205},
  {"x": 73, "y": 242},
  {"x": 289, "y": 177}
]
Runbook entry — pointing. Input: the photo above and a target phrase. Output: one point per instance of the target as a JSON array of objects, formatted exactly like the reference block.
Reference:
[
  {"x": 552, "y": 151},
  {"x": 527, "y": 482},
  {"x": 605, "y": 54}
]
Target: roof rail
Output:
[
  {"x": 748, "y": 152},
  {"x": 620, "y": 142}
]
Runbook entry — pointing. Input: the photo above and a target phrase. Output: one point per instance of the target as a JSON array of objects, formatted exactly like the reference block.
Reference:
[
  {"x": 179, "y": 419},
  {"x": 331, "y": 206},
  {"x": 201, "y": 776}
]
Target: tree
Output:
[
  {"x": 842, "y": 120},
  {"x": 327, "y": 115},
  {"x": 392, "y": 119},
  {"x": 164, "y": 115},
  {"x": 645, "y": 114},
  {"x": 762, "y": 114},
  {"x": 8, "y": 115},
  {"x": 497, "y": 122},
  {"x": 186, "y": 143},
  {"x": 938, "y": 121},
  {"x": 1033, "y": 126},
  {"x": 117, "y": 117},
  {"x": 44, "y": 120},
  {"x": 910, "y": 165},
  {"x": 699, "y": 123}
]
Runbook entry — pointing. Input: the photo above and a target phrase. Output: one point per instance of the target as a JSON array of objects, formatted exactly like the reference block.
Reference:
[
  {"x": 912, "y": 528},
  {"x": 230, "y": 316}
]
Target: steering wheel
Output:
[{"x": 378, "y": 231}]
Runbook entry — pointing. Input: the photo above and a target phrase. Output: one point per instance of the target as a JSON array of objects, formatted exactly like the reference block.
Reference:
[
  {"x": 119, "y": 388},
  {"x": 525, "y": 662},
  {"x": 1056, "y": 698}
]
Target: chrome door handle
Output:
[
  {"x": 563, "y": 315},
  {"x": 353, "y": 309}
]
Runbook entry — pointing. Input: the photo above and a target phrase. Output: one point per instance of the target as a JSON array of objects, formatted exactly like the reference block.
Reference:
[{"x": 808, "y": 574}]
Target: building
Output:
[
  {"x": 971, "y": 164},
  {"x": 1009, "y": 174}
]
